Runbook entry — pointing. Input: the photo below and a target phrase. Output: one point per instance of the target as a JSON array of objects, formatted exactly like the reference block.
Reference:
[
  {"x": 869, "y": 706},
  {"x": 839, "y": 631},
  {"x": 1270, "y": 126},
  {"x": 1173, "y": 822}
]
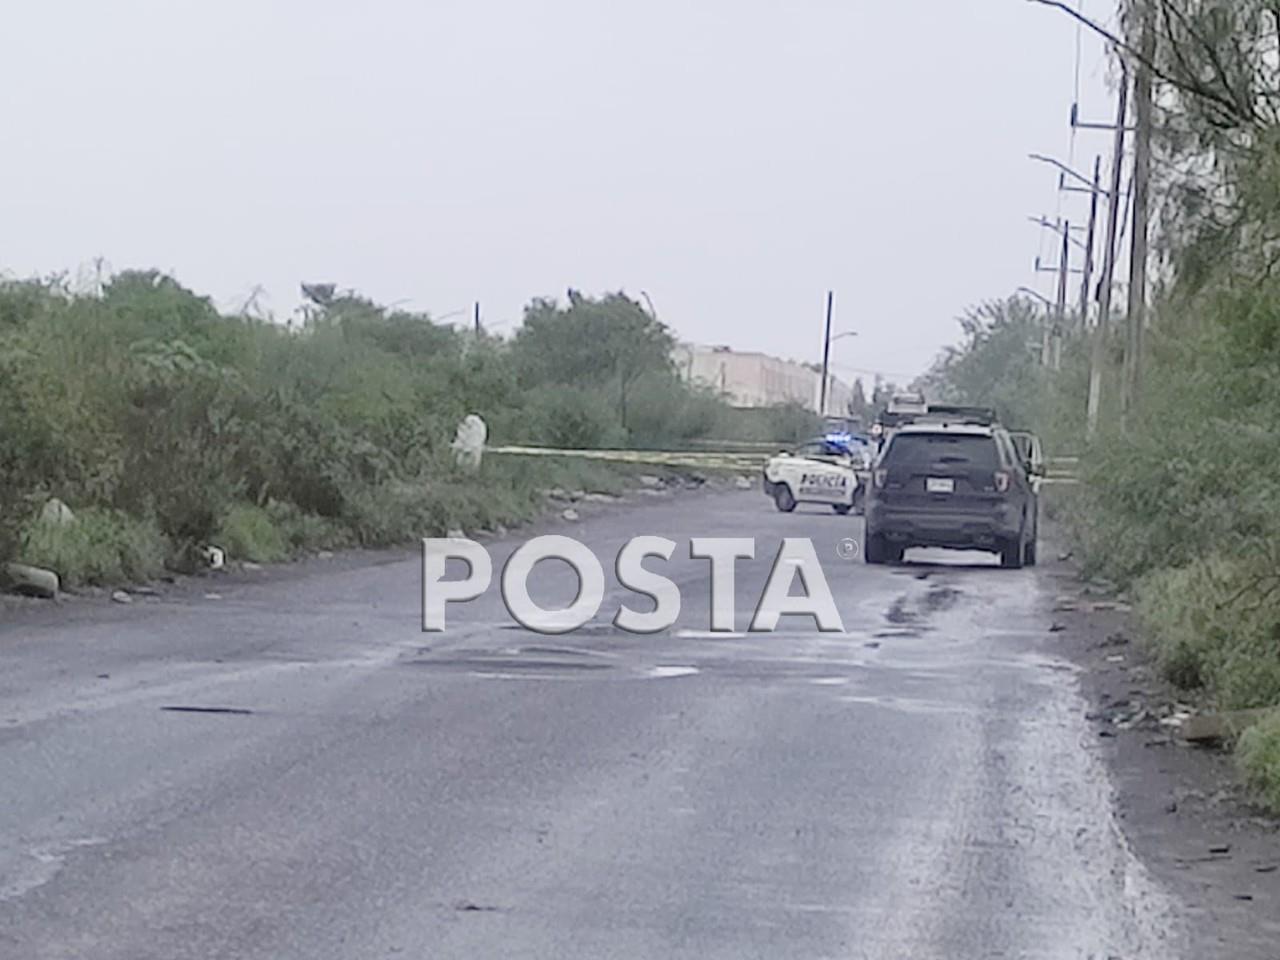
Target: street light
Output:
[
  {"x": 1058, "y": 229},
  {"x": 1093, "y": 187},
  {"x": 1034, "y": 293}
]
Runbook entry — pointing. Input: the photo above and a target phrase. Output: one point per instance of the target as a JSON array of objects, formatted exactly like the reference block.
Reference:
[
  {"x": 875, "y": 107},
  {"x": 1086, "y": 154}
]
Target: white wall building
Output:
[{"x": 757, "y": 379}]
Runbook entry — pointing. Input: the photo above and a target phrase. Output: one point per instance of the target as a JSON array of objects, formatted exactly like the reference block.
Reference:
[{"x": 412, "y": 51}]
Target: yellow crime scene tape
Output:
[
  {"x": 738, "y": 461},
  {"x": 697, "y": 459}
]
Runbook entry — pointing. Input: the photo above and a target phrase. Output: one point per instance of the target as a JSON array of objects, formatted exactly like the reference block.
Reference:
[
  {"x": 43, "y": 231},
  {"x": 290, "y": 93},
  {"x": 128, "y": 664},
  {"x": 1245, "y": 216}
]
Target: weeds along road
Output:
[{"x": 921, "y": 786}]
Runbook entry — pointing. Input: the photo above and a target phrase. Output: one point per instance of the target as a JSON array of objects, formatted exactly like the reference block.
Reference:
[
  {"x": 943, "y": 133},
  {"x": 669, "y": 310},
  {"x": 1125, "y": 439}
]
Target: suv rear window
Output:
[{"x": 926, "y": 449}]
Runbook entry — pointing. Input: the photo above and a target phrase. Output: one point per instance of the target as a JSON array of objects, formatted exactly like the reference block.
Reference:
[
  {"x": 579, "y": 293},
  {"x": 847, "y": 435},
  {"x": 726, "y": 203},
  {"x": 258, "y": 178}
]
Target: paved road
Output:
[{"x": 921, "y": 786}]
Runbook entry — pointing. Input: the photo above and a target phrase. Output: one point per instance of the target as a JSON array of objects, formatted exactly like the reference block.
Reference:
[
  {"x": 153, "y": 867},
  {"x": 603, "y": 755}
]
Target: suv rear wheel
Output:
[{"x": 1011, "y": 554}]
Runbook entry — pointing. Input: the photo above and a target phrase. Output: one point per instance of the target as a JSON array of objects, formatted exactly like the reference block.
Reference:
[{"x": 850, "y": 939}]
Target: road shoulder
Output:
[{"x": 1181, "y": 806}]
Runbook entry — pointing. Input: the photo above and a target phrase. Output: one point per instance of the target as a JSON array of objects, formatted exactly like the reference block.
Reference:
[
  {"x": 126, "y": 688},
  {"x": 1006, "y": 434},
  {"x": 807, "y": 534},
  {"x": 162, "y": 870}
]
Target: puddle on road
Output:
[
  {"x": 940, "y": 598},
  {"x": 908, "y": 705}
]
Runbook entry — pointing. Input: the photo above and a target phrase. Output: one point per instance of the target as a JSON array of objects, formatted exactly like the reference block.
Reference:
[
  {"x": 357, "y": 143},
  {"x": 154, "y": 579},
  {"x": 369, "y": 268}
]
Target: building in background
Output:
[{"x": 759, "y": 380}]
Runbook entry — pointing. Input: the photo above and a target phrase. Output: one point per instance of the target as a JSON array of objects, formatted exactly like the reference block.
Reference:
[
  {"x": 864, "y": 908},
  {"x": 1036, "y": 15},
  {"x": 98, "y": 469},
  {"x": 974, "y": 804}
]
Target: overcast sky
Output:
[{"x": 733, "y": 158}]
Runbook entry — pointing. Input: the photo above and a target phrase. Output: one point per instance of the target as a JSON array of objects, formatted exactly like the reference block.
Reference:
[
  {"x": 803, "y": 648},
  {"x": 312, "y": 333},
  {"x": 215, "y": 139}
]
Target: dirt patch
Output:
[{"x": 1181, "y": 806}]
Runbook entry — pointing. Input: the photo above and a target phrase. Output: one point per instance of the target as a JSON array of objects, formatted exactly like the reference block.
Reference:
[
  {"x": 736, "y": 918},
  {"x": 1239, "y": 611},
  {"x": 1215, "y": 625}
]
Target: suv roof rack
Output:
[{"x": 955, "y": 413}]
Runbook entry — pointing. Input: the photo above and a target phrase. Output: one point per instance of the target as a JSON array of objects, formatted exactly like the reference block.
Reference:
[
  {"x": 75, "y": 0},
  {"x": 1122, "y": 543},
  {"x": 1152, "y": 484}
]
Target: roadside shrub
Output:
[
  {"x": 306, "y": 531},
  {"x": 1258, "y": 754},
  {"x": 1213, "y": 624},
  {"x": 100, "y": 546},
  {"x": 249, "y": 532},
  {"x": 571, "y": 418},
  {"x": 661, "y": 412},
  {"x": 141, "y": 397}
]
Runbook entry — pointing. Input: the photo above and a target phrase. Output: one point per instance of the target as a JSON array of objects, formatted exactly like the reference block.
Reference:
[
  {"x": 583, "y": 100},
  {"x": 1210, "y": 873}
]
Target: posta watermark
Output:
[{"x": 795, "y": 558}]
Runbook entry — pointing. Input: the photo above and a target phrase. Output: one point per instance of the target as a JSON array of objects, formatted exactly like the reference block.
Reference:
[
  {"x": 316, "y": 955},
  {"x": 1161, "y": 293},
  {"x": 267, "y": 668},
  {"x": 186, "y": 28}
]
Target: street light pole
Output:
[{"x": 826, "y": 358}]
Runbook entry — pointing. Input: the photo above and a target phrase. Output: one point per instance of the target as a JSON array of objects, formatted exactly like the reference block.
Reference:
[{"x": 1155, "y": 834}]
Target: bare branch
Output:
[{"x": 1196, "y": 89}]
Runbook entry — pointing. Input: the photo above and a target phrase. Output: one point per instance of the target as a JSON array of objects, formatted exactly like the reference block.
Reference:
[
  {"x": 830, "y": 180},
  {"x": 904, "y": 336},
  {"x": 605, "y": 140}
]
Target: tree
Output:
[
  {"x": 995, "y": 366},
  {"x": 609, "y": 342},
  {"x": 858, "y": 404}
]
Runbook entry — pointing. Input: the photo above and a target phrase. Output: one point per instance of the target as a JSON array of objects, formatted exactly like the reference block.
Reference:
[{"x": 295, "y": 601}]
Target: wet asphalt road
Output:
[{"x": 922, "y": 786}]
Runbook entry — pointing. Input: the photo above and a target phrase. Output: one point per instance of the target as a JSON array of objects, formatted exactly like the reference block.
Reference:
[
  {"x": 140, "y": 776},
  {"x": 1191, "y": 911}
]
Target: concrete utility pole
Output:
[
  {"x": 1099, "y": 346},
  {"x": 1060, "y": 308},
  {"x": 826, "y": 357},
  {"x": 1138, "y": 250},
  {"x": 1088, "y": 245}
]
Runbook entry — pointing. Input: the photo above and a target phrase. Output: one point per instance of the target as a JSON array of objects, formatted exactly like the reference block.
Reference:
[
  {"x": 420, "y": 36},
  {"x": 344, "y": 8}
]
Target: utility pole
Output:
[
  {"x": 1060, "y": 308},
  {"x": 1099, "y": 346},
  {"x": 1138, "y": 250},
  {"x": 477, "y": 315},
  {"x": 1088, "y": 246},
  {"x": 826, "y": 357}
]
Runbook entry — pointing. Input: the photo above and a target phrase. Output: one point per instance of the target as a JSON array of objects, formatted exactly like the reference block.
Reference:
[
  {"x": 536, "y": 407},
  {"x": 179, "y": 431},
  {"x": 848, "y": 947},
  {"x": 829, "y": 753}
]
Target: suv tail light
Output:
[
  {"x": 1003, "y": 480},
  {"x": 880, "y": 478}
]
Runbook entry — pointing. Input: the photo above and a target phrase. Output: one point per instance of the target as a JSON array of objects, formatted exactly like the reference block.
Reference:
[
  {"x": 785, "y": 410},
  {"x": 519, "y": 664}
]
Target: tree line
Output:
[{"x": 166, "y": 424}]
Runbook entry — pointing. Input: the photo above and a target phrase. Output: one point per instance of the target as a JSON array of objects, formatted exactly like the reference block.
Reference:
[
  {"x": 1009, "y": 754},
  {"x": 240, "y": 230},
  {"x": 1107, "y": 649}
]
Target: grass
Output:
[
  {"x": 100, "y": 547},
  {"x": 249, "y": 532},
  {"x": 1211, "y": 628},
  {"x": 1258, "y": 754}
]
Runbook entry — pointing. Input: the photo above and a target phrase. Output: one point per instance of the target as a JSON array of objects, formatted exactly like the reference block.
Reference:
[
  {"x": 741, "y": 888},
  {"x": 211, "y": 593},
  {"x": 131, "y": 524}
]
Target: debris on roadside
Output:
[
  {"x": 56, "y": 513},
  {"x": 455, "y": 533},
  {"x": 215, "y": 557},
  {"x": 569, "y": 514},
  {"x": 1216, "y": 727},
  {"x": 234, "y": 711},
  {"x": 32, "y": 581},
  {"x": 121, "y": 596},
  {"x": 1056, "y": 627}
]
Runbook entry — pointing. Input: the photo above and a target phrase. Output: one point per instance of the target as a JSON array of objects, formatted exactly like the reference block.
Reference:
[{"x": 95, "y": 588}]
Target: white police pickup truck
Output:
[{"x": 829, "y": 470}]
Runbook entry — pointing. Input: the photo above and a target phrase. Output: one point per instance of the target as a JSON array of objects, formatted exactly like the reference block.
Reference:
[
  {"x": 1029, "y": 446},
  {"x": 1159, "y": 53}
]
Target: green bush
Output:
[
  {"x": 142, "y": 401},
  {"x": 1258, "y": 754},
  {"x": 571, "y": 418},
  {"x": 306, "y": 531},
  {"x": 99, "y": 546},
  {"x": 1213, "y": 624},
  {"x": 249, "y": 533}
]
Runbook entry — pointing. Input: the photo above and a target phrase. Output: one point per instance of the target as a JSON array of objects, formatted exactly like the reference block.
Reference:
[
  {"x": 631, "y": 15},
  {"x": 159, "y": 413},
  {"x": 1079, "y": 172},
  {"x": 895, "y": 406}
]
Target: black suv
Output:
[{"x": 952, "y": 485}]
